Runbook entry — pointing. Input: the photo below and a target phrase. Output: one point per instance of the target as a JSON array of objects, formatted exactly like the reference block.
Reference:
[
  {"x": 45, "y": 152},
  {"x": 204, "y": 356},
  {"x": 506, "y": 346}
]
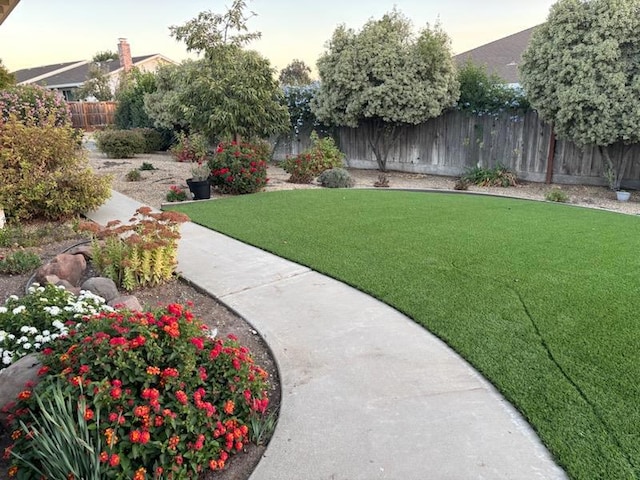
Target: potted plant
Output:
[
  {"x": 623, "y": 195},
  {"x": 199, "y": 182}
]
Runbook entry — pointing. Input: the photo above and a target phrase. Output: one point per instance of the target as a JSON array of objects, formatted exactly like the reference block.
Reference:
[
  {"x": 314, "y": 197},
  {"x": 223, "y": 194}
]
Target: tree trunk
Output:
[
  {"x": 382, "y": 138},
  {"x": 617, "y": 157}
]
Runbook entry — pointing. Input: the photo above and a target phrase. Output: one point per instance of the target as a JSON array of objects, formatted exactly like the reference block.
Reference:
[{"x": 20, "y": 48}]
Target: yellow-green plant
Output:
[{"x": 138, "y": 254}]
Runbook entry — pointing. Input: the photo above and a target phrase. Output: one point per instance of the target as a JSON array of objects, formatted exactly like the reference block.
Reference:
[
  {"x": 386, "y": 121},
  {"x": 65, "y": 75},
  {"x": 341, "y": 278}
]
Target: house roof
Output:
[
  {"x": 72, "y": 74},
  {"x": 5, "y": 8},
  {"x": 501, "y": 57}
]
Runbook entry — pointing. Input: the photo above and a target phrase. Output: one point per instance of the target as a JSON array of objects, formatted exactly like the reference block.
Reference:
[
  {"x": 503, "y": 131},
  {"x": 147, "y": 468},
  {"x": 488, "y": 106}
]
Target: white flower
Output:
[
  {"x": 24, "y": 329},
  {"x": 26, "y": 346},
  {"x": 3, "y": 310},
  {"x": 3, "y": 335},
  {"x": 22, "y": 339},
  {"x": 46, "y": 333},
  {"x": 19, "y": 310},
  {"x": 13, "y": 297}
]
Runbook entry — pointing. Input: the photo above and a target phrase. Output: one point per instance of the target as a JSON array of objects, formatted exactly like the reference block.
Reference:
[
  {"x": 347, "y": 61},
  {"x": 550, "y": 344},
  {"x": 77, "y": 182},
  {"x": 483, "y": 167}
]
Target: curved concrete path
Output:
[{"x": 366, "y": 393}]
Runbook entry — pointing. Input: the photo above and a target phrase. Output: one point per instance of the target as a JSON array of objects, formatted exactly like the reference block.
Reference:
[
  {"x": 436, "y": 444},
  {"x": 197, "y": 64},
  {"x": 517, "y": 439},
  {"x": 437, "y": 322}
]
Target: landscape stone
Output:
[
  {"x": 14, "y": 378},
  {"x": 65, "y": 266},
  {"x": 101, "y": 286},
  {"x": 85, "y": 250},
  {"x": 126, "y": 302}
]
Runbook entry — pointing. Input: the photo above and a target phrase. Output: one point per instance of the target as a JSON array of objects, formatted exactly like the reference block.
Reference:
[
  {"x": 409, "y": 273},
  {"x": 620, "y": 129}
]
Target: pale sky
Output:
[{"x": 42, "y": 32}]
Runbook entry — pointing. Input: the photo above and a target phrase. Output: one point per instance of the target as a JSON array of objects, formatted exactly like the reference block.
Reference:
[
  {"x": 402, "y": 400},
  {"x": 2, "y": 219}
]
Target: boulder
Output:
[
  {"x": 85, "y": 250},
  {"x": 65, "y": 266},
  {"x": 101, "y": 286},
  {"x": 14, "y": 378},
  {"x": 126, "y": 302}
]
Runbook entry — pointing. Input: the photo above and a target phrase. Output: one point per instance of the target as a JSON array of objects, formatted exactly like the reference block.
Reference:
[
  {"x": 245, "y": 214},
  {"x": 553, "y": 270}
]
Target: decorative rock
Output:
[
  {"x": 126, "y": 302},
  {"x": 85, "y": 250},
  {"x": 52, "y": 279},
  {"x": 104, "y": 287},
  {"x": 64, "y": 266},
  {"x": 14, "y": 378}
]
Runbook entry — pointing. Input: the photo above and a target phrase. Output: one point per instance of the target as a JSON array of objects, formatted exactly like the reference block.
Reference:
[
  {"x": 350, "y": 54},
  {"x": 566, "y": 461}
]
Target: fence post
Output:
[{"x": 552, "y": 155}]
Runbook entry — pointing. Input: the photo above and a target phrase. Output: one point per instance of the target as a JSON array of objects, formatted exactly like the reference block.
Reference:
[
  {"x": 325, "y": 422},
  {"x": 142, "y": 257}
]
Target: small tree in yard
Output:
[
  {"x": 229, "y": 93},
  {"x": 296, "y": 73},
  {"x": 581, "y": 71},
  {"x": 7, "y": 79},
  {"x": 387, "y": 77}
]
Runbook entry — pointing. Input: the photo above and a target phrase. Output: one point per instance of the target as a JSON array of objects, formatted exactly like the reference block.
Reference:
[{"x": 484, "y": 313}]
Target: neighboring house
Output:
[
  {"x": 5, "y": 8},
  {"x": 501, "y": 57},
  {"x": 67, "y": 77}
]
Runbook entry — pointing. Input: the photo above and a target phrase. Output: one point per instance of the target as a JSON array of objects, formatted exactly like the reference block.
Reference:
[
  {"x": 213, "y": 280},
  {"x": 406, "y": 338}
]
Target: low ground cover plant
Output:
[
  {"x": 322, "y": 155},
  {"x": 176, "y": 194},
  {"x": 239, "y": 168},
  {"x": 498, "y": 176},
  {"x": 335, "y": 178},
  {"x": 19, "y": 261},
  {"x": 165, "y": 399},
  {"x": 140, "y": 253},
  {"x": 556, "y": 195}
]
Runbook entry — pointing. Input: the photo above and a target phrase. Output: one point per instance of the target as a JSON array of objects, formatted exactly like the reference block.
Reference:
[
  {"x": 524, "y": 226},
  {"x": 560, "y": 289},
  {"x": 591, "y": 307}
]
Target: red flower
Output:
[
  {"x": 182, "y": 397},
  {"x": 229, "y": 407},
  {"x": 170, "y": 372},
  {"x": 117, "y": 341},
  {"x": 198, "y": 343},
  {"x": 114, "y": 460}
]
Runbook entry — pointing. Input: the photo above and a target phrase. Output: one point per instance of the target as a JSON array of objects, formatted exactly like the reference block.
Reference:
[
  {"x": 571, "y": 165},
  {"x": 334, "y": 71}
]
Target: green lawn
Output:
[{"x": 542, "y": 298}]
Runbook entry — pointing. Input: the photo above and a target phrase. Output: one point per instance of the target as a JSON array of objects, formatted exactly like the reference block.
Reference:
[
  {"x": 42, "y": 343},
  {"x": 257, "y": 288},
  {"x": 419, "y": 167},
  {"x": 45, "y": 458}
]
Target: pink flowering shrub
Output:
[
  {"x": 34, "y": 105},
  {"x": 168, "y": 400},
  {"x": 239, "y": 168}
]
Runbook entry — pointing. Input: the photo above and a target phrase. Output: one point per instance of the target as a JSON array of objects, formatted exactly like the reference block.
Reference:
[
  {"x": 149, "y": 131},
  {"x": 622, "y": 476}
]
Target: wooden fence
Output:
[
  {"x": 456, "y": 141},
  {"x": 92, "y": 115}
]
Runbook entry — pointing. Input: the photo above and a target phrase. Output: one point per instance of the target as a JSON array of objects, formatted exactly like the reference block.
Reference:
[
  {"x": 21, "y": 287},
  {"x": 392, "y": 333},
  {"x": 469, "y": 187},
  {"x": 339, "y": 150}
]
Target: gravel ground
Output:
[{"x": 155, "y": 184}]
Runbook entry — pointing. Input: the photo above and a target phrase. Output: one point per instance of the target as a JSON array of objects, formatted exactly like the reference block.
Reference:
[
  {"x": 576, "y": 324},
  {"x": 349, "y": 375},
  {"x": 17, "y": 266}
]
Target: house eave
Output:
[{"x": 6, "y": 6}]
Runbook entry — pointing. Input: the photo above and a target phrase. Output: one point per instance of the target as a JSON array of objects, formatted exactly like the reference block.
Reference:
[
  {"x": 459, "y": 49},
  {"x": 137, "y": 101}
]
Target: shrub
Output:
[
  {"x": 154, "y": 140},
  {"x": 133, "y": 175},
  {"x": 322, "y": 155},
  {"x": 44, "y": 175},
  {"x": 146, "y": 166},
  {"x": 461, "y": 184},
  {"x": 18, "y": 262},
  {"x": 190, "y": 148},
  {"x": 176, "y": 194},
  {"x": 336, "y": 178},
  {"x": 34, "y": 105},
  {"x": 556, "y": 195},
  {"x": 498, "y": 176},
  {"x": 172, "y": 401},
  {"x": 130, "y": 112},
  {"x": 120, "y": 143},
  {"x": 238, "y": 168},
  {"x": 139, "y": 254},
  {"x": 30, "y": 323}
]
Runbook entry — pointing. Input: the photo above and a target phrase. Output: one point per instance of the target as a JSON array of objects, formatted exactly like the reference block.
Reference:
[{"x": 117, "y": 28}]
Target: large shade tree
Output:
[
  {"x": 7, "y": 78},
  {"x": 581, "y": 71},
  {"x": 387, "y": 77},
  {"x": 230, "y": 92}
]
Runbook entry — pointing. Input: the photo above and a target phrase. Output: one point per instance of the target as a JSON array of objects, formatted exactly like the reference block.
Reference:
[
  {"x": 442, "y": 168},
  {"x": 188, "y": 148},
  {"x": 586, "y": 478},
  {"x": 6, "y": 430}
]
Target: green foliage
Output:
[
  {"x": 190, "y": 148},
  {"x": 121, "y": 143},
  {"x": 62, "y": 445},
  {"x": 45, "y": 175},
  {"x": 580, "y": 72},
  {"x": 297, "y": 99},
  {"x": 146, "y": 166},
  {"x": 160, "y": 392},
  {"x": 34, "y": 105},
  {"x": 484, "y": 93},
  {"x": 154, "y": 140},
  {"x": 239, "y": 168},
  {"x": 498, "y": 176},
  {"x": 138, "y": 254},
  {"x": 296, "y": 73},
  {"x": 229, "y": 93},
  {"x": 19, "y": 262},
  {"x": 96, "y": 85},
  {"x": 130, "y": 112},
  {"x": 105, "y": 56},
  {"x": 556, "y": 195},
  {"x": 322, "y": 155},
  {"x": 7, "y": 79},
  {"x": 133, "y": 175},
  {"x": 385, "y": 76},
  {"x": 30, "y": 323},
  {"x": 176, "y": 194},
  {"x": 335, "y": 178},
  {"x": 33, "y": 235}
]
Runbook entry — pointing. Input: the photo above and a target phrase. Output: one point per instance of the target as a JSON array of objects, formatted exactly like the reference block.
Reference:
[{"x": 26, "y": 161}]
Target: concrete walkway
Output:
[{"x": 366, "y": 393}]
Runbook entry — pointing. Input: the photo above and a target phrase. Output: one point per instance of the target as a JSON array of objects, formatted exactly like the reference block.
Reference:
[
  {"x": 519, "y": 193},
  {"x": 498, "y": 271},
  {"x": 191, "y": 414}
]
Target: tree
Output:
[
  {"x": 296, "y": 73},
  {"x": 133, "y": 87},
  {"x": 581, "y": 71},
  {"x": 230, "y": 92},
  {"x": 96, "y": 85},
  {"x": 7, "y": 79},
  {"x": 485, "y": 93},
  {"x": 105, "y": 56},
  {"x": 387, "y": 77}
]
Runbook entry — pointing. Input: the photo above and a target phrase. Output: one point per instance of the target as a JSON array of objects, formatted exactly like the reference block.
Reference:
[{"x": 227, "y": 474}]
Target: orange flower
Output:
[
  {"x": 140, "y": 474},
  {"x": 13, "y": 471},
  {"x": 153, "y": 371},
  {"x": 229, "y": 407},
  {"x": 24, "y": 395}
]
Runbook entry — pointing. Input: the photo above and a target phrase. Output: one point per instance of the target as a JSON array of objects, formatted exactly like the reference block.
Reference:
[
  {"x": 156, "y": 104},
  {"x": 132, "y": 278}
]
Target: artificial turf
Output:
[{"x": 542, "y": 298}]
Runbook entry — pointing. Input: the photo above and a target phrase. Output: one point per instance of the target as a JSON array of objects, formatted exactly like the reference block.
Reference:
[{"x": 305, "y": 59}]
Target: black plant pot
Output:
[{"x": 201, "y": 189}]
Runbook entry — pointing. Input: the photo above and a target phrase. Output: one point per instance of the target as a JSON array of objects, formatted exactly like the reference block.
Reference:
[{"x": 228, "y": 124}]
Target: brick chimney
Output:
[{"x": 124, "y": 52}]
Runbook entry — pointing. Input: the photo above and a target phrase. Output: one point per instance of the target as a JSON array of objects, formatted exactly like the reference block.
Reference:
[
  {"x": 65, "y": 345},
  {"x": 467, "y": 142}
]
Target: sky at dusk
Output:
[{"x": 41, "y": 32}]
